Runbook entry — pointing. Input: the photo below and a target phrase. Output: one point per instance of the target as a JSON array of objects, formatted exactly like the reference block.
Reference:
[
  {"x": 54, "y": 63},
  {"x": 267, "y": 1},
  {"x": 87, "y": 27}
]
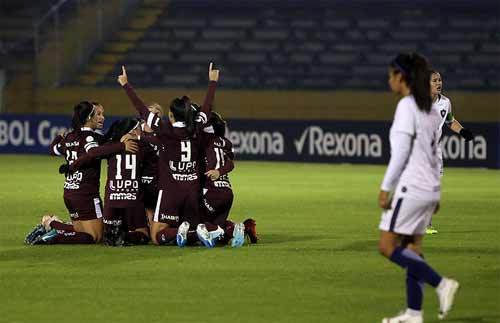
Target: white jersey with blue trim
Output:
[{"x": 417, "y": 173}]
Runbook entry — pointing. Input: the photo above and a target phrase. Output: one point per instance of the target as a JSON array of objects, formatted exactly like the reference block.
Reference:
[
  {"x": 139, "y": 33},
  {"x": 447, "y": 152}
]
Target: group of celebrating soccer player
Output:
[{"x": 167, "y": 180}]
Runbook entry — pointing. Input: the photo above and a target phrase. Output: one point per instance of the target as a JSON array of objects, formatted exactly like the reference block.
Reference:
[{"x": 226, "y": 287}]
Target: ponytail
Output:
[
  {"x": 189, "y": 118},
  {"x": 185, "y": 111},
  {"x": 82, "y": 112},
  {"x": 416, "y": 72}
]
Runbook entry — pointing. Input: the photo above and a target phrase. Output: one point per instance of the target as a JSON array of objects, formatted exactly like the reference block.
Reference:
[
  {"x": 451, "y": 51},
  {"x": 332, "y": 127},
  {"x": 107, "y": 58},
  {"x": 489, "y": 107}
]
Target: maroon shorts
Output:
[
  {"x": 134, "y": 217},
  {"x": 176, "y": 207},
  {"x": 150, "y": 196},
  {"x": 217, "y": 205},
  {"x": 84, "y": 208}
]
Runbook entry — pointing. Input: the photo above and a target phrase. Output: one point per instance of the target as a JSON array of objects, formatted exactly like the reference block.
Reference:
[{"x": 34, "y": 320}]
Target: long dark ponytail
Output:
[
  {"x": 82, "y": 112},
  {"x": 185, "y": 111},
  {"x": 416, "y": 72}
]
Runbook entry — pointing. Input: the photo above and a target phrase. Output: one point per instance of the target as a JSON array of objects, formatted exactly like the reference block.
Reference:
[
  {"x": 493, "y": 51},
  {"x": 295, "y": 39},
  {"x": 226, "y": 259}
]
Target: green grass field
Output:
[{"x": 317, "y": 259}]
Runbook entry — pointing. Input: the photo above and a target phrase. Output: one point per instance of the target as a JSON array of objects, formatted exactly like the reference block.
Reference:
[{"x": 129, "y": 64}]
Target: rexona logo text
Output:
[
  {"x": 454, "y": 148},
  {"x": 257, "y": 143},
  {"x": 315, "y": 141}
]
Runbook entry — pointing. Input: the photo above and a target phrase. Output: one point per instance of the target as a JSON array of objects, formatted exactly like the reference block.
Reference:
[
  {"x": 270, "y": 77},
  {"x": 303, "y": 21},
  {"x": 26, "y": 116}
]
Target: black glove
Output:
[{"x": 466, "y": 134}]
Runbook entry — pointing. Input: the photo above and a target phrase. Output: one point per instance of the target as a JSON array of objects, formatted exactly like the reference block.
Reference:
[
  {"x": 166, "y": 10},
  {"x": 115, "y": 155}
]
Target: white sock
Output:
[{"x": 413, "y": 312}]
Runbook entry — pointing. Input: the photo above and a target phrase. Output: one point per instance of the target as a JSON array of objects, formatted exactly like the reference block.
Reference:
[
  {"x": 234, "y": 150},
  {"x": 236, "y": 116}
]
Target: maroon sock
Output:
[
  {"x": 61, "y": 226},
  {"x": 210, "y": 226},
  {"x": 137, "y": 237},
  {"x": 192, "y": 237},
  {"x": 228, "y": 229},
  {"x": 166, "y": 236},
  {"x": 72, "y": 237}
]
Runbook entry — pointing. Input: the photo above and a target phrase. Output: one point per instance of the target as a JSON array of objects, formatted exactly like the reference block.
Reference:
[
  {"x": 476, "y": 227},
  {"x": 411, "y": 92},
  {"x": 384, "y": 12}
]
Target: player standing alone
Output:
[
  {"x": 413, "y": 177},
  {"x": 442, "y": 105}
]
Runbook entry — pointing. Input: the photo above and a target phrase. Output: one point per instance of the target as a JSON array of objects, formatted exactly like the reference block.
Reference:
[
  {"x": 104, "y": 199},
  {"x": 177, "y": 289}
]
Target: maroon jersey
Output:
[
  {"x": 123, "y": 185},
  {"x": 84, "y": 181},
  {"x": 150, "y": 170},
  {"x": 219, "y": 156},
  {"x": 179, "y": 153}
]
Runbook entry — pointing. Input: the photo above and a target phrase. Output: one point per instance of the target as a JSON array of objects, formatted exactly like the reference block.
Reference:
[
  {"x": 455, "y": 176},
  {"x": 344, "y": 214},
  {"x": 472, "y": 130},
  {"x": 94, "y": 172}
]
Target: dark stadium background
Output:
[{"x": 315, "y": 63}]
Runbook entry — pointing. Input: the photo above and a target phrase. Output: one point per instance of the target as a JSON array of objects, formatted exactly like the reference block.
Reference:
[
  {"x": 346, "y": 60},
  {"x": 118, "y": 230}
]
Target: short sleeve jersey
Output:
[
  {"x": 421, "y": 174},
  {"x": 218, "y": 153},
  {"x": 73, "y": 146},
  {"x": 123, "y": 185},
  {"x": 443, "y": 107}
]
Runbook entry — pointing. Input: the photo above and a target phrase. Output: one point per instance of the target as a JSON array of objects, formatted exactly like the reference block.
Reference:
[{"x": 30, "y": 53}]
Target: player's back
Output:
[
  {"x": 218, "y": 153},
  {"x": 421, "y": 174},
  {"x": 178, "y": 161},
  {"x": 86, "y": 180},
  {"x": 123, "y": 185}
]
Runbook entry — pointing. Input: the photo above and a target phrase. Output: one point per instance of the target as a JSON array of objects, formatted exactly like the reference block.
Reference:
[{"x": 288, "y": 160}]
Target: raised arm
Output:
[
  {"x": 206, "y": 108},
  {"x": 152, "y": 120}
]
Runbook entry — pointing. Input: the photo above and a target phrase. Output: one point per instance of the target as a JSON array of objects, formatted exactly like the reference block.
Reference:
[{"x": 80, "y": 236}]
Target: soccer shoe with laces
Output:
[
  {"x": 404, "y": 317},
  {"x": 250, "y": 230},
  {"x": 446, "y": 291},
  {"x": 181, "y": 236},
  {"x": 431, "y": 230},
  {"x": 204, "y": 236},
  {"x": 38, "y": 231},
  {"x": 238, "y": 235},
  {"x": 46, "y": 238}
]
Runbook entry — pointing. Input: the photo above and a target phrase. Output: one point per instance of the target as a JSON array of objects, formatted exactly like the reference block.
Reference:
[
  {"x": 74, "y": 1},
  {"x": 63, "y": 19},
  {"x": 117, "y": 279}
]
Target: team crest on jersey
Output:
[
  {"x": 89, "y": 139},
  {"x": 443, "y": 113}
]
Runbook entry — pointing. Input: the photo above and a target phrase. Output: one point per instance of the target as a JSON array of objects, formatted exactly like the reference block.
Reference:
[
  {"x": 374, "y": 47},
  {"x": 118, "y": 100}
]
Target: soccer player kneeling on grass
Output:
[
  {"x": 217, "y": 196},
  {"x": 178, "y": 198},
  {"x": 413, "y": 175},
  {"x": 81, "y": 188},
  {"x": 125, "y": 221}
]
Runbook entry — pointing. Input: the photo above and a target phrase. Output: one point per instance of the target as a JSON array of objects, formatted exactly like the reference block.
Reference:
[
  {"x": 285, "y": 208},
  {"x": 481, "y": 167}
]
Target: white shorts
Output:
[{"x": 407, "y": 216}]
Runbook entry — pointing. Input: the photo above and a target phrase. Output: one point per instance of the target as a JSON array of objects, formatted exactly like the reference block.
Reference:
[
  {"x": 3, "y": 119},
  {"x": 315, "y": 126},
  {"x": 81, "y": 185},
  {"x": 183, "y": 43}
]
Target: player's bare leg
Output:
[{"x": 93, "y": 227}]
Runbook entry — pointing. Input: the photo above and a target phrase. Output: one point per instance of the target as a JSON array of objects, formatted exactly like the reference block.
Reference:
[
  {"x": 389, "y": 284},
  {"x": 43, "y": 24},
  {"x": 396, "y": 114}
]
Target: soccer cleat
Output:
[
  {"x": 47, "y": 220},
  {"x": 238, "y": 235},
  {"x": 217, "y": 234},
  {"x": 46, "y": 238},
  {"x": 182, "y": 234},
  {"x": 404, "y": 317},
  {"x": 38, "y": 231},
  {"x": 204, "y": 236},
  {"x": 446, "y": 291},
  {"x": 431, "y": 230},
  {"x": 250, "y": 230}
]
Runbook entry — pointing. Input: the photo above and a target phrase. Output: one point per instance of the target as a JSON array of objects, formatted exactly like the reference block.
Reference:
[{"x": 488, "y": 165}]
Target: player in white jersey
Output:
[
  {"x": 414, "y": 180},
  {"x": 442, "y": 105}
]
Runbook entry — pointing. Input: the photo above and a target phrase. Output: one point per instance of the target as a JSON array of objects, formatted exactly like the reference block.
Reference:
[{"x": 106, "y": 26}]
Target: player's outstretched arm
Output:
[
  {"x": 461, "y": 130},
  {"x": 206, "y": 108}
]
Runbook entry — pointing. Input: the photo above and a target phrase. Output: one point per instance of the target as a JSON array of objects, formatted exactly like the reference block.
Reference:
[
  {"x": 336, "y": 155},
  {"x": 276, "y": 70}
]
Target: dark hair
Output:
[
  {"x": 82, "y": 112},
  {"x": 185, "y": 111},
  {"x": 218, "y": 124},
  {"x": 416, "y": 72},
  {"x": 120, "y": 128}
]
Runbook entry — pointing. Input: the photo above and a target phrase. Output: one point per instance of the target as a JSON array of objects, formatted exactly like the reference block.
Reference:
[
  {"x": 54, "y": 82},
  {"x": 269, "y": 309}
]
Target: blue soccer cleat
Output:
[
  {"x": 181, "y": 236},
  {"x": 38, "y": 231},
  {"x": 204, "y": 236},
  {"x": 238, "y": 235},
  {"x": 46, "y": 238}
]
